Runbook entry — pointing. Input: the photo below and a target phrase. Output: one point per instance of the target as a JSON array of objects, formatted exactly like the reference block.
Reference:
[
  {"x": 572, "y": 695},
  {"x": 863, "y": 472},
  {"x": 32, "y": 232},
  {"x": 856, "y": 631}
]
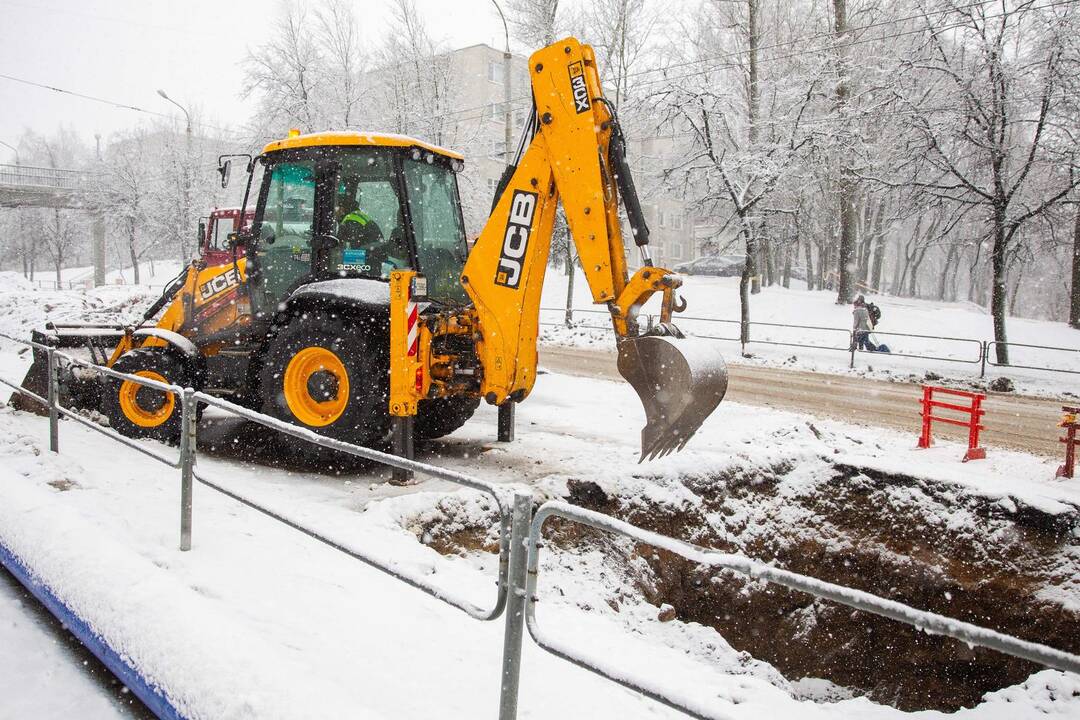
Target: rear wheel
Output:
[
  {"x": 138, "y": 411},
  {"x": 330, "y": 374},
  {"x": 442, "y": 416}
]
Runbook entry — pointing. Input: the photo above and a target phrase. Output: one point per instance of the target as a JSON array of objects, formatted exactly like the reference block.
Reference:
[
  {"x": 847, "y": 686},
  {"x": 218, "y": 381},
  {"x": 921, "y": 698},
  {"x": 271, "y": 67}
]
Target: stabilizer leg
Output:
[
  {"x": 506, "y": 421},
  {"x": 403, "y": 447}
]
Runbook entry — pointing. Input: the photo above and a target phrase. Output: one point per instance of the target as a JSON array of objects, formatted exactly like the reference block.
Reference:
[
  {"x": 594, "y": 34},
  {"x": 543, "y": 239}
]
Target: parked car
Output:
[{"x": 717, "y": 265}]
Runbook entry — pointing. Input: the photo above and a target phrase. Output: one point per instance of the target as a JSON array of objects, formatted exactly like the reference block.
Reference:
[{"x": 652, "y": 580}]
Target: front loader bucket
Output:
[
  {"x": 680, "y": 382},
  {"x": 80, "y": 389},
  {"x": 37, "y": 382}
]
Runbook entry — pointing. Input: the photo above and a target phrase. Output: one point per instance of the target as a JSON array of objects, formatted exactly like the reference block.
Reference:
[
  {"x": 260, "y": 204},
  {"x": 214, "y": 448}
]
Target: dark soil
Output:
[
  {"x": 885, "y": 534},
  {"x": 931, "y": 546}
]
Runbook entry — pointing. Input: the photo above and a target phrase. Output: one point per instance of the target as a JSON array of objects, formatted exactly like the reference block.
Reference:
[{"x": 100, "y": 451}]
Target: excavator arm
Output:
[{"x": 575, "y": 154}]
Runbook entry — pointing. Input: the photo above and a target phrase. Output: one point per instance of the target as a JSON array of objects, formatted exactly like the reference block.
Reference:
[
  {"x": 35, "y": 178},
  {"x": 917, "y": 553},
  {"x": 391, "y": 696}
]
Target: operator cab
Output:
[{"x": 353, "y": 205}]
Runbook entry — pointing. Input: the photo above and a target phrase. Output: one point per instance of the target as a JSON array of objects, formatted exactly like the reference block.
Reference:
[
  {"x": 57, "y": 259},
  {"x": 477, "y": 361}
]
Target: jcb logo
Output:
[
  {"x": 217, "y": 284},
  {"x": 516, "y": 239},
  {"x": 577, "y": 85}
]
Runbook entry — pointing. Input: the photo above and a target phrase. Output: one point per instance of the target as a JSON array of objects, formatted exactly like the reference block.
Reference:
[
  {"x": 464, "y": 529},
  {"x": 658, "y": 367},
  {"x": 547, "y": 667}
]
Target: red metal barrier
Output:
[
  {"x": 973, "y": 423},
  {"x": 1071, "y": 423}
]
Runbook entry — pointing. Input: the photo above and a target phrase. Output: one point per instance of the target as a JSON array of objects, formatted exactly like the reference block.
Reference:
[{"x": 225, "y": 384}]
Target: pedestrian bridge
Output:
[{"x": 27, "y": 186}]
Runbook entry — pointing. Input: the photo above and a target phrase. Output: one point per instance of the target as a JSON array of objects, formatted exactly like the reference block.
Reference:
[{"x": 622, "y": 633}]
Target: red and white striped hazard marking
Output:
[{"x": 412, "y": 338}]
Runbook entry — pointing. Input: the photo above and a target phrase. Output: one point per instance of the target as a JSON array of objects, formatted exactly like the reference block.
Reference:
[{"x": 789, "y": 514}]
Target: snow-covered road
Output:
[{"x": 1015, "y": 422}]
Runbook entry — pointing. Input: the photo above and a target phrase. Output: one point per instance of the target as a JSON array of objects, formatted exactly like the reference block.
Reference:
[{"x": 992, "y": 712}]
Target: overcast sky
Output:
[{"x": 124, "y": 50}]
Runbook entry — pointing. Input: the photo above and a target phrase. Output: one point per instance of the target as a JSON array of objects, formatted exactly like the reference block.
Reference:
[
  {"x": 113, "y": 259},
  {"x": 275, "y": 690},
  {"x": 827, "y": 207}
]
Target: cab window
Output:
[
  {"x": 368, "y": 221},
  {"x": 219, "y": 239},
  {"x": 290, "y": 206},
  {"x": 440, "y": 234}
]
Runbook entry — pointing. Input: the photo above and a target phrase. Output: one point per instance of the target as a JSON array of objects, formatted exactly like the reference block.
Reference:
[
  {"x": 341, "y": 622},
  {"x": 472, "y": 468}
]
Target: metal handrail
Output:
[
  {"x": 390, "y": 568},
  {"x": 995, "y": 343},
  {"x": 982, "y": 360},
  {"x": 55, "y": 178},
  {"x": 928, "y": 622},
  {"x": 56, "y": 409},
  {"x": 186, "y": 461},
  {"x": 978, "y": 343}
]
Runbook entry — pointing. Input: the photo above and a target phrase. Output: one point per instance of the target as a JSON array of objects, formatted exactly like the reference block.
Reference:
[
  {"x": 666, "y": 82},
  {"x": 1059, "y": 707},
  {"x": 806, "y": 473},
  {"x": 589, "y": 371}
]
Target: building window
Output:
[
  {"x": 519, "y": 117},
  {"x": 677, "y": 221},
  {"x": 491, "y": 185},
  {"x": 660, "y": 218},
  {"x": 498, "y": 148},
  {"x": 495, "y": 71},
  {"x": 496, "y": 111}
]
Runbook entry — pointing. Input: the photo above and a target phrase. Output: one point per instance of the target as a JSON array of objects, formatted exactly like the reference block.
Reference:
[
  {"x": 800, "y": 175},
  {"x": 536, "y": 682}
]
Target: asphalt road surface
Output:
[{"x": 1015, "y": 422}]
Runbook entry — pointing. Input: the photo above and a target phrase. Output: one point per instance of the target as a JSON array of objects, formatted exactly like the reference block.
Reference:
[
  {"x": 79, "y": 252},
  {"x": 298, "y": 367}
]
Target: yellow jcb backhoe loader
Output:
[{"x": 357, "y": 308}]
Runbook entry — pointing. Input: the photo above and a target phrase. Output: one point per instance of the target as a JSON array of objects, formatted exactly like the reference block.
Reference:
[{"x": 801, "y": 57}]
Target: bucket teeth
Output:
[{"x": 680, "y": 382}]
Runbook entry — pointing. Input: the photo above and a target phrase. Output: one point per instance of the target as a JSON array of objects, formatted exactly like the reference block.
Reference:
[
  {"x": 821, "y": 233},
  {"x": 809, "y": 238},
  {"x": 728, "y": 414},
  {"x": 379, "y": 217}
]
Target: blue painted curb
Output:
[{"x": 150, "y": 695}]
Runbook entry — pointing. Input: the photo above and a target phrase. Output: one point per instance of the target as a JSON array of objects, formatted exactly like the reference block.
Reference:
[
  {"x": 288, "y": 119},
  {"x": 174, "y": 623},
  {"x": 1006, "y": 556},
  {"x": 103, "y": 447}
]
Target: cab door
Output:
[{"x": 286, "y": 219}]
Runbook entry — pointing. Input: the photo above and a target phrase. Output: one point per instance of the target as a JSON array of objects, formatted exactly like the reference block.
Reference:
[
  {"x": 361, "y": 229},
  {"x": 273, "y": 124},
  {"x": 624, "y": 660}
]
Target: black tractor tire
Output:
[
  {"x": 355, "y": 346},
  {"x": 137, "y": 411},
  {"x": 441, "y": 416}
]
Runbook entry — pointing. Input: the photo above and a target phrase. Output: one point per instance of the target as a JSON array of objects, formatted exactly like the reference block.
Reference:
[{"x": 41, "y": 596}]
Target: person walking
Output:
[{"x": 862, "y": 325}]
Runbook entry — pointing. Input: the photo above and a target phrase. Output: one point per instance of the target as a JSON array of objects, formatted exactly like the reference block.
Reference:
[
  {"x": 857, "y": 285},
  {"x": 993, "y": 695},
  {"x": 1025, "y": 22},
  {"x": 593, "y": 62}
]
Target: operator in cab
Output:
[{"x": 365, "y": 249}]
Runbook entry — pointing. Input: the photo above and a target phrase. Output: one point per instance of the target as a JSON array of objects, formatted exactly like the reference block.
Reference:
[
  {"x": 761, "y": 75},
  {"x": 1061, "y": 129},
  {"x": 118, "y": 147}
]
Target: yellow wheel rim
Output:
[
  {"x": 135, "y": 408},
  {"x": 316, "y": 386}
]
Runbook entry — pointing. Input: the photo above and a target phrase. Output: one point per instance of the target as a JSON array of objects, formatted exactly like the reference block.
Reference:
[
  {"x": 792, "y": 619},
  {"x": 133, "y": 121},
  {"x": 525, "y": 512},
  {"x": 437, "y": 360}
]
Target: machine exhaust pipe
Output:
[{"x": 680, "y": 382}]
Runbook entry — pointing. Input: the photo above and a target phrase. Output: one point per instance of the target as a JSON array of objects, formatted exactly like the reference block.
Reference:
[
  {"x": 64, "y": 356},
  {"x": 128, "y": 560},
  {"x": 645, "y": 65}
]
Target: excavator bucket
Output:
[{"x": 680, "y": 382}]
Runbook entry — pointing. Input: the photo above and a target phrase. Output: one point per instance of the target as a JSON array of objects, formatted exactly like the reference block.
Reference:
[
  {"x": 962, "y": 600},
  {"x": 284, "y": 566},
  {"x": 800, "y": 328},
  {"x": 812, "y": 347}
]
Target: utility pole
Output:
[
  {"x": 506, "y": 410},
  {"x": 186, "y": 194},
  {"x": 97, "y": 227},
  {"x": 508, "y": 134}
]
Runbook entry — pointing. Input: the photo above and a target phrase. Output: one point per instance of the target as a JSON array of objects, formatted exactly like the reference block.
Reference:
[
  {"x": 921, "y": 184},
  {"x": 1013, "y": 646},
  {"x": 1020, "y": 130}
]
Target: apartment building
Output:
[{"x": 474, "y": 124}]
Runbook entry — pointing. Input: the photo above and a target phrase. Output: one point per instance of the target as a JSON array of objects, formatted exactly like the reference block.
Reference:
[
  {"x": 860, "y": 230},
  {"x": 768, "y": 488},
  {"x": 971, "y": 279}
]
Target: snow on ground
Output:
[
  {"x": 155, "y": 273},
  {"x": 24, "y": 308},
  {"x": 40, "y": 676},
  {"x": 717, "y": 298},
  {"x": 260, "y": 621}
]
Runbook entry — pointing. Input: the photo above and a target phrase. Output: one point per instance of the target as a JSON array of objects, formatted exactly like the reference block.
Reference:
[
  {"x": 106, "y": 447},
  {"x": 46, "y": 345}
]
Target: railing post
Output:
[
  {"x": 516, "y": 597},
  {"x": 188, "y": 410},
  {"x": 851, "y": 335},
  {"x": 982, "y": 363},
  {"x": 53, "y": 393}
]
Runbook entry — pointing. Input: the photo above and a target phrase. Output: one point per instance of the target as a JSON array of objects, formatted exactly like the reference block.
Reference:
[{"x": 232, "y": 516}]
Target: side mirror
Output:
[{"x": 225, "y": 170}]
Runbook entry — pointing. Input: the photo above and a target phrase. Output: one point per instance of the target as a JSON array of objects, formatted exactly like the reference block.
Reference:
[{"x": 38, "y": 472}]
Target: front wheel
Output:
[
  {"x": 331, "y": 374},
  {"x": 139, "y": 411}
]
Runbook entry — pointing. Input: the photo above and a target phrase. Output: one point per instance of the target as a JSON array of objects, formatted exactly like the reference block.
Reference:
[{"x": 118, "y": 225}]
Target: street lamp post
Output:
[
  {"x": 187, "y": 179},
  {"x": 506, "y": 410},
  {"x": 13, "y": 149},
  {"x": 508, "y": 133}
]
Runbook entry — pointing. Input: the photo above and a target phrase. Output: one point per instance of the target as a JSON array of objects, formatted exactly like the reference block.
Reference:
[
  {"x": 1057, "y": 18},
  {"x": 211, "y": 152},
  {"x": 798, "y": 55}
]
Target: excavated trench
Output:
[{"x": 989, "y": 561}]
